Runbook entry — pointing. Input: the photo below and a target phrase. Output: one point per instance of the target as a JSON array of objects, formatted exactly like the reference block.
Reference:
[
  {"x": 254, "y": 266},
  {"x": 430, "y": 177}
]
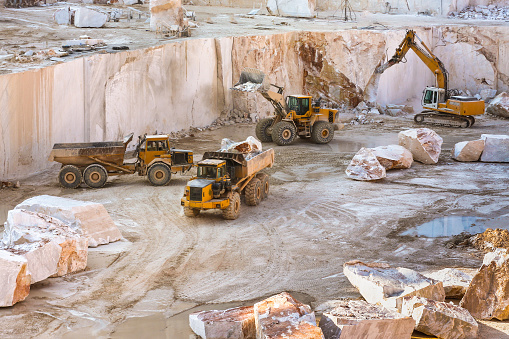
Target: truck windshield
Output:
[{"x": 207, "y": 172}]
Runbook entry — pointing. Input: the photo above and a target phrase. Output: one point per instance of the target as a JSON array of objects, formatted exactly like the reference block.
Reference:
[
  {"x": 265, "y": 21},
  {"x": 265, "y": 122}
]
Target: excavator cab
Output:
[{"x": 432, "y": 96}]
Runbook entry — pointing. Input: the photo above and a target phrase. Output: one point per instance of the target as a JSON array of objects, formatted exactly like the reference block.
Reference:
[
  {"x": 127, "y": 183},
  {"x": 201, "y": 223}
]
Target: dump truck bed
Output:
[
  {"x": 245, "y": 167},
  {"x": 83, "y": 154}
]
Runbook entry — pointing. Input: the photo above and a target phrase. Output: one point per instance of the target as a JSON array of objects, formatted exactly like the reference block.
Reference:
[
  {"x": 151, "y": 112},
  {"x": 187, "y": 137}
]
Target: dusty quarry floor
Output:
[{"x": 297, "y": 240}]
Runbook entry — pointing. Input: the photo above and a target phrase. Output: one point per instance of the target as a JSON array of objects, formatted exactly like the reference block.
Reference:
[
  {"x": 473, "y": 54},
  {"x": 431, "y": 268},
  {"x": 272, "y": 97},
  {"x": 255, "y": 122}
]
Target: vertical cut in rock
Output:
[
  {"x": 365, "y": 166},
  {"x": 424, "y": 143},
  {"x": 496, "y": 148},
  {"x": 233, "y": 323},
  {"x": 14, "y": 278}
]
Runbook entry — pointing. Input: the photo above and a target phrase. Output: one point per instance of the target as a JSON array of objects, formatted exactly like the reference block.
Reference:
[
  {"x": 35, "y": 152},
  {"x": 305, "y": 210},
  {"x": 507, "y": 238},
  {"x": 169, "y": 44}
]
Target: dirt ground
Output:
[{"x": 297, "y": 240}]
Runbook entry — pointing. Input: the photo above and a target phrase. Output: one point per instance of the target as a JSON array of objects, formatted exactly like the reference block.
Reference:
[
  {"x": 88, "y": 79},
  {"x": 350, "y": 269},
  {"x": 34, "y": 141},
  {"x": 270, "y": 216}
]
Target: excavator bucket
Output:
[{"x": 251, "y": 80}]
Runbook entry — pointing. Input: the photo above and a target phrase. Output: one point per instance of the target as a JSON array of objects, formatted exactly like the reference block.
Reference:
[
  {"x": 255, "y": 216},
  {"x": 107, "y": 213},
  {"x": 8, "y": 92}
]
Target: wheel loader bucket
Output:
[{"x": 251, "y": 80}]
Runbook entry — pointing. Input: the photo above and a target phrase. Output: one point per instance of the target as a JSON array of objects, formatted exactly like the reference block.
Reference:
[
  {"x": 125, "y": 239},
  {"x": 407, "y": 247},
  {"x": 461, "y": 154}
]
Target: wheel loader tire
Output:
[
  {"x": 283, "y": 133},
  {"x": 322, "y": 132},
  {"x": 70, "y": 176},
  {"x": 264, "y": 179},
  {"x": 263, "y": 129},
  {"x": 233, "y": 210},
  {"x": 159, "y": 174},
  {"x": 254, "y": 192},
  {"x": 95, "y": 176},
  {"x": 191, "y": 212}
]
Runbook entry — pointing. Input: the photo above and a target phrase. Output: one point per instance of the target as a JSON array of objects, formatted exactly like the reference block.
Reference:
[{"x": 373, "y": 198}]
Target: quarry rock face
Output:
[
  {"x": 393, "y": 156},
  {"x": 14, "y": 279},
  {"x": 496, "y": 148},
  {"x": 499, "y": 105},
  {"x": 296, "y": 8},
  {"x": 84, "y": 17},
  {"x": 166, "y": 13},
  {"x": 468, "y": 150},
  {"x": 50, "y": 246},
  {"x": 357, "y": 319},
  {"x": 424, "y": 143},
  {"x": 382, "y": 284},
  {"x": 87, "y": 218},
  {"x": 281, "y": 316},
  {"x": 365, "y": 166},
  {"x": 441, "y": 319},
  {"x": 234, "y": 323},
  {"x": 487, "y": 296},
  {"x": 455, "y": 282}
]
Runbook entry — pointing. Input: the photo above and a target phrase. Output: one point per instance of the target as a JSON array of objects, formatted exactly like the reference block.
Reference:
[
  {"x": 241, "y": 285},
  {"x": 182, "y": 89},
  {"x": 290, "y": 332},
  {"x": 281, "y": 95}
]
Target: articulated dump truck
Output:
[
  {"x": 92, "y": 162},
  {"x": 221, "y": 179}
]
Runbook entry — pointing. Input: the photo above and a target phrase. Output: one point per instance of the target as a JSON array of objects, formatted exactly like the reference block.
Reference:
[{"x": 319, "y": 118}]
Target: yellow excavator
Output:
[{"x": 441, "y": 106}]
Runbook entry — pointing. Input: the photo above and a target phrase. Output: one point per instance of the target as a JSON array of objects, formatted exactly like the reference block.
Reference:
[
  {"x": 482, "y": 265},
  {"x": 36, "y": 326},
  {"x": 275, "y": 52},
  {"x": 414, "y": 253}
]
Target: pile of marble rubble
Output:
[{"x": 490, "y": 12}]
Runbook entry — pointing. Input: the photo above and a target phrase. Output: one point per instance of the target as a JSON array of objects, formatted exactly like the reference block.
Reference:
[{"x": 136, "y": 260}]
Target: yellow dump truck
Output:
[
  {"x": 92, "y": 162},
  {"x": 221, "y": 179}
]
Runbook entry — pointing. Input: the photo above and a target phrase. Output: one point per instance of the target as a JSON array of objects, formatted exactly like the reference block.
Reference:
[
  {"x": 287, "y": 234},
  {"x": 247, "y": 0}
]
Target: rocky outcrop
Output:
[
  {"x": 281, "y": 316},
  {"x": 357, "y": 319},
  {"x": 487, "y": 296},
  {"x": 455, "y": 282},
  {"x": 499, "y": 105},
  {"x": 441, "y": 319},
  {"x": 14, "y": 280},
  {"x": 424, "y": 144},
  {"x": 85, "y": 17},
  {"x": 234, "y": 323},
  {"x": 382, "y": 284},
  {"x": 468, "y": 150},
  {"x": 393, "y": 156},
  {"x": 365, "y": 166},
  {"x": 87, "y": 218},
  {"x": 496, "y": 148}
]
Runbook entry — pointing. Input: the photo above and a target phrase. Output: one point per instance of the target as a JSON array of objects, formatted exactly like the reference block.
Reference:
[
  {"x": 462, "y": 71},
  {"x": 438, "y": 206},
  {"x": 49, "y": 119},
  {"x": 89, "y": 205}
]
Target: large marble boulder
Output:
[
  {"x": 87, "y": 218},
  {"x": 85, "y": 17},
  {"x": 496, "y": 148},
  {"x": 499, "y": 105},
  {"x": 441, "y": 319},
  {"x": 455, "y": 282},
  {"x": 382, "y": 284},
  {"x": 365, "y": 166},
  {"x": 250, "y": 145},
  {"x": 487, "y": 296},
  {"x": 468, "y": 150},
  {"x": 424, "y": 143},
  {"x": 393, "y": 156},
  {"x": 51, "y": 247},
  {"x": 14, "y": 279},
  {"x": 234, "y": 323},
  {"x": 166, "y": 13},
  {"x": 358, "y": 319},
  {"x": 281, "y": 316},
  {"x": 293, "y": 8}
]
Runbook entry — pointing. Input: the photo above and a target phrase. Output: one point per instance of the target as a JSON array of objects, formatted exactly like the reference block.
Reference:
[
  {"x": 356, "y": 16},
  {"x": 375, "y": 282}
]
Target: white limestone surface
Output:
[
  {"x": 14, "y": 279},
  {"x": 85, "y": 17},
  {"x": 455, "y": 282},
  {"x": 294, "y": 8},
  {"x": 496, "y": 148}
]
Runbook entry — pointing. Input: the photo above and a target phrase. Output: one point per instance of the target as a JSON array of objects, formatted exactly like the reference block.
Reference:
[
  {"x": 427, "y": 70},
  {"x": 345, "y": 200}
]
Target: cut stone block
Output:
[
  {"x": 51, "y": 247},
  {"x": 166, "y": 13},
  {"x": 496, "y": 148},
  {"x": 487, "y": 296},
  {"x": 357, "y": 319},
  {"x": 87, "y": 218},
  {"x": 468, "y": 150},
  {"x": 499, "y": 106},
  {"x": 84, "y": 17},
  {"x": 393, "y": 156},
  {"x": 294, "y": 8},
  {"x": 234, "y": 323},
  {"x": 381, "y": 284},
  {"x": 424, "y": 143},
  {"x": 365, "y": 166},
  {"x": 63, "y": 16},
  {"x": 455, "y": 281},
  {"x": 281, "y": 316},
  {"x": 441, "y": 319},
  {"x": 14, "y": 279}
]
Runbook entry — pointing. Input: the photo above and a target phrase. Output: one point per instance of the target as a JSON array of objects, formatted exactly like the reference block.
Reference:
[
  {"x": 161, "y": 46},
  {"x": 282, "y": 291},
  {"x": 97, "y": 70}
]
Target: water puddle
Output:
[{"x": 448, "y": 226}]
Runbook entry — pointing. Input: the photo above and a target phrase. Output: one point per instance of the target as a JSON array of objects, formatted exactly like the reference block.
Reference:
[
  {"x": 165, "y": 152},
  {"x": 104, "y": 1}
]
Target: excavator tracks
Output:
[{"x": 444, "y": 119}]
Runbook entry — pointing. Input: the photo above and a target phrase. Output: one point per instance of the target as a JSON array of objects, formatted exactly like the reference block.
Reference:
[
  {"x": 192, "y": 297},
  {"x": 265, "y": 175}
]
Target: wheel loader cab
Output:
[
  {"x": 301, "y": 104},
  {"x": 153, "y": 146}
]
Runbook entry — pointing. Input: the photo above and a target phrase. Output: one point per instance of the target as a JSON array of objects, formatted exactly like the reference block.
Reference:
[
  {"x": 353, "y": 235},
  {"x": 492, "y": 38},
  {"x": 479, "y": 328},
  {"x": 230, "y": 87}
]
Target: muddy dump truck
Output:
[
  {"x": 93, "y": 162},
  {"x": 221, "y": 179}
]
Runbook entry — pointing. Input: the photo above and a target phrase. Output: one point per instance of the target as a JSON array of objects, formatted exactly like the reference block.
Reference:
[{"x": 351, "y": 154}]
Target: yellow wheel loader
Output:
[
  {"x": 441, "y": 106},
  {"x": 298, "y": 115}
]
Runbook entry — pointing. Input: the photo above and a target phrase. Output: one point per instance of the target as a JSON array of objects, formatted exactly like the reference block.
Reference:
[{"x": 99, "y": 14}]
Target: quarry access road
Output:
[{"x": 297, "y": 240}]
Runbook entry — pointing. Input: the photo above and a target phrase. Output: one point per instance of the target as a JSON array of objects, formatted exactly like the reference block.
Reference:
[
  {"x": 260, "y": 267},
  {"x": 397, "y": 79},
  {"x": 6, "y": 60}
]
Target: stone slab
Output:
[
  {"x": 233, "y": 323},
  {"x": 85, "y": 17}
]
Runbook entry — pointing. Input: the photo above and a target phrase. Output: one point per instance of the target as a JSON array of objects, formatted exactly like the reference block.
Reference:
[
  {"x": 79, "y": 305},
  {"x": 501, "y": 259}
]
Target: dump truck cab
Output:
[{"x": 152, "y": 147}]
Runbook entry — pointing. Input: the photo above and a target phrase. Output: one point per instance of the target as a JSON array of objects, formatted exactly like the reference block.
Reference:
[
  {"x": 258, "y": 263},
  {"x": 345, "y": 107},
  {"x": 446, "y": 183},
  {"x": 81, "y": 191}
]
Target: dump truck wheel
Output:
[
  {"x": 283, "y": 133},
  {"x": 70, "y": 176},
  {"x": 95, "y": 176},
  {"x": 159, "y": 174},
  {"x": 322, "y": 133},
  {"x": 264, "y": 179},
  {"x": 233, "y": 210},
  {"x": 191, "y": 212},
  {"x": 263, "y": 130},
  {"x": 254, "y": 192}
]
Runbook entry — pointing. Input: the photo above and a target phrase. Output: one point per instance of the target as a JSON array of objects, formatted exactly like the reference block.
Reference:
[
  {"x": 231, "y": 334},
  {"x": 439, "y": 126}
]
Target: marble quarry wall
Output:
[{"x": 175, "y": 86}]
